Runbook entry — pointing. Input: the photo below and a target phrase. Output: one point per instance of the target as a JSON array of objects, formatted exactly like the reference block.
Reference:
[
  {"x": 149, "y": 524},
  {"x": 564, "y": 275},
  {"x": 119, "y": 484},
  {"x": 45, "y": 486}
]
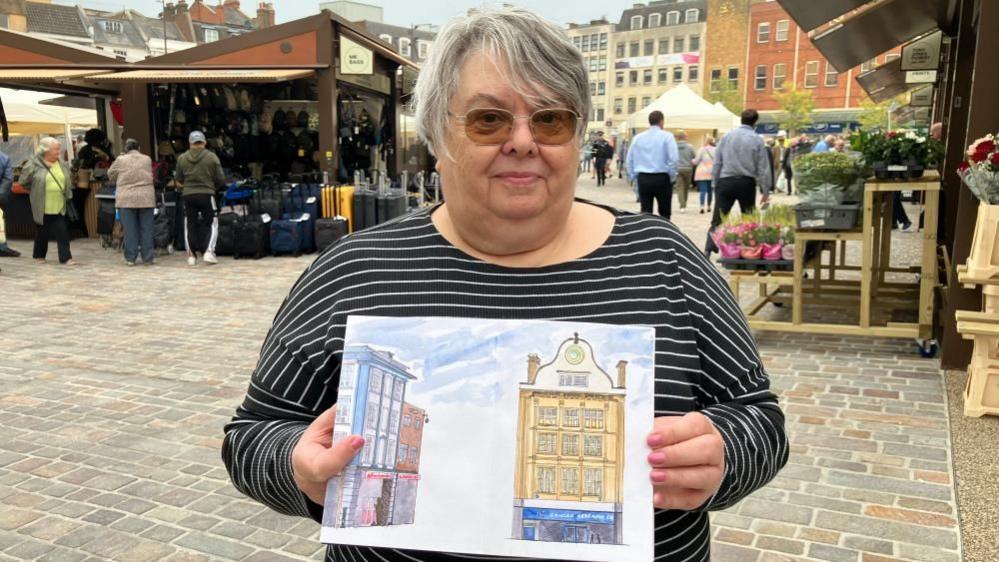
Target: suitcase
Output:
[
  {"x": 267, "y": 201},
  {"x": 364, "y": 209},
  {"x": 225, "y": 244},
  {"x": 330, "y": 230},
  {"x": 307, "y": 227},
  {"x": 286, "y": 237},
  {"x": 253, "y": 237},
  {"x": 163, "y": 224}
]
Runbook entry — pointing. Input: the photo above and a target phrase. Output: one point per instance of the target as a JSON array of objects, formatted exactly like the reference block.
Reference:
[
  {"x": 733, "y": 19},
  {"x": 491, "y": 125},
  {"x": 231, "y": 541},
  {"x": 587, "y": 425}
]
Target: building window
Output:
[
  {"x": 570, "y": 481},
  {"x": 546, "y": 480},
  {"x": 733, "y": 77},
  {"x": 394, "y": 423},
  {"x": 406, "y": 420},
  {"x": 386, "y": 37},
  {"x": 600, "y": 114},
  {"x": 547, "y": 415},
  {"x": 592, "y": 418},
  {"x": 595, "y": 42},
  {"x": 677, "y": 74},
  {"x": 388, "y": 456},
  {"x": 619, "y": 79},
  {"x": 650, "y": 47},
  {"x": 417, "y": 422},
  {"x": 832, "y": 77},
  {"x": 369, "y": 448},
  {"x": 695, "y": 43},
  {"x": 570, "y": 445},
  {"x": 891, "y": 57},
  {"x": 620, "y": 50},
  {"x": 112, "y": 26},
  {"x": 414, "y": 454},
  {"x": 577, "y": 41},
  {"x": 783, "y": 27},
  {"x": 692, "y": 15},
  {"x": 633, "y": 49},
  {"x": 593, "y": 92},
  {"x": 655, "y": 20},
  {"x": 646, "y": 100},
  {"x": 763, "y": 33},
  {"x": 678, "y": 44},
  {"x": 631, "y": 105},
  {"x": 812, "y": 74},
  {"x": 780, "y": 74},
  {"x": 586, "y": 43},
  {"x": 602, "y": 66},
  {"x": 633, "y": 78},
  {"x": 397, "y": 391},
  {"x": 421, "y": 48},
  {"x": 348, "y": 374},
  {"x": 618, "y": 110},
  {"x": 343, "y": 409},
  {"x": 570, "y": 416},
  {"x": 673, "y": 18},
  {"x": 636, "y": 22},
  {"x": 663, "y": 75},
  {"x": 601, "y": 90},
  {"x": 546, "y": 443},
  {"x": 593, "y": 482},
  {"x": 603, "y": 41},
  {"x": 715, "y": 80},
  {"x": 664, "y": 46},
  {"x": 593, "y": 445},
  {"x": 4, "y": 22},
  {"x": 404, "y": 49},
  {"x": 211, "y": 35},
  {"x": 647, "y": 77},
  {"x": 869, "y": 65},
  {"x": 761, "y": 78},
  {"x": 403, "y": 452},
  {"x": 693, "y": 73}
]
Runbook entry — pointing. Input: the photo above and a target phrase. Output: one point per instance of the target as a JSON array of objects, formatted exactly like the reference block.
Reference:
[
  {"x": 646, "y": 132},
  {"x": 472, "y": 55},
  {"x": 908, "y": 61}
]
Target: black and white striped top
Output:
[{"x": 646, "y": 273}]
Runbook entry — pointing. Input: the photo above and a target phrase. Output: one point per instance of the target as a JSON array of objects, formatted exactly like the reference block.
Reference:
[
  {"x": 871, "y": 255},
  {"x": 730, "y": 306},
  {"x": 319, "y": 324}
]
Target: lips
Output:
[{"x": 519, "y": 178}]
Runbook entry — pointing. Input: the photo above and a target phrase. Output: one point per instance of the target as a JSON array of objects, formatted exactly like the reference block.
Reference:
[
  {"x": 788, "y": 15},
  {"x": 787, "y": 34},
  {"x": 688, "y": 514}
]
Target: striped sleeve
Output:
[
  {"x": 735, "y": 389},
  {"x": 288, "y": 389}
]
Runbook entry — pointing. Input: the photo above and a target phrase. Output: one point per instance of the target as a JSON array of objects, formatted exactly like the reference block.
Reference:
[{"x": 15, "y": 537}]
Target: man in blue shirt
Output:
[
  {"x": 652, "y": 162},
  {"x": 825, "y": 145},
  {"x": 6, "y": 182}
]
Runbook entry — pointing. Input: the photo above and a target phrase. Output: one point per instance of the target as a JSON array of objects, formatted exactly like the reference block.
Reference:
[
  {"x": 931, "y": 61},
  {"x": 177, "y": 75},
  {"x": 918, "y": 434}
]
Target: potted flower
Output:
[
  {"x": 751, "y": 248},
  {"x": 727, "y": 237},
  {"x": 896, "y": 154},
  {"x": 768, "y": 236},
  {"x": 787, "y": 240},
  {"x": 980, "y": 172}
]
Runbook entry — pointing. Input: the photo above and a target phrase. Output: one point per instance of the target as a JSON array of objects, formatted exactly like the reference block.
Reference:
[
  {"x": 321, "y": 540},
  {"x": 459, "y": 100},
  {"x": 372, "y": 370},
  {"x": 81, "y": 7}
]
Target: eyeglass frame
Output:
[{"x": 515, "y": 117}]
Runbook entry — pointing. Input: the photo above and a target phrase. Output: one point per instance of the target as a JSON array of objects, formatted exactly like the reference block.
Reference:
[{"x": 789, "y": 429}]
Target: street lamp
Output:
[{"x": 163, "y": 17}]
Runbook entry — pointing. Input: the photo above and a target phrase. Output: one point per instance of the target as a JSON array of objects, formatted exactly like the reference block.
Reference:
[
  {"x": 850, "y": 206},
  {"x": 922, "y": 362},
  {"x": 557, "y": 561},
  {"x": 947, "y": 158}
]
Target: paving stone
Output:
[
  {"x": 775, "y": 529},
  {"x": 926, "y": 453},
  {"x": 48, "y": 528},
  {"x": 751, "y": 507},
  {"x": 866, "y": 544},
  {"x": 29, "y": 549},
  {"x": 721, "y": 552},
  {"x": 818, "y": 535},
  {"x": 894, "y": 485},
  {"x": 910, "y": 516},
  {"x": 916, "y": 554},
  {"x": 832, "y": 553},
  {"x": 926, "y": 505},
  {"x": 870, "y": 527},
  {"x": 208, "y": 544},
  {"x": 12, "y": 518},
  {"x": 733, "y": 536},
  {"x": 780, "y": 544},
  {"x": 162, "y": 533}
]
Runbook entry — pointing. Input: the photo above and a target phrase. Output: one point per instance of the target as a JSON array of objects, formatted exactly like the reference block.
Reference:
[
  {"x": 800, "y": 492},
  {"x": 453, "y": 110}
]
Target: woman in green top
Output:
[{"x": 47, "y": 178}]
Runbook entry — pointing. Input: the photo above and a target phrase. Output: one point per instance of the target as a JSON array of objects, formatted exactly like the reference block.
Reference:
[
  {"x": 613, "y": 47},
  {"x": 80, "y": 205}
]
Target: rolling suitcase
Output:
[
  {"x": 226, "y": 242},
  {"x": 331, "y": 229},
  {"x": 253, "y": 237},
  {"x": 286, "y": 237}
]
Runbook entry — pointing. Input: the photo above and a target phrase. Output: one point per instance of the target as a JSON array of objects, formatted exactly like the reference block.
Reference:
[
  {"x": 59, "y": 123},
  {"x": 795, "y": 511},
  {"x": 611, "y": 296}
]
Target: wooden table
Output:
[{"x": 872, "y": 292}]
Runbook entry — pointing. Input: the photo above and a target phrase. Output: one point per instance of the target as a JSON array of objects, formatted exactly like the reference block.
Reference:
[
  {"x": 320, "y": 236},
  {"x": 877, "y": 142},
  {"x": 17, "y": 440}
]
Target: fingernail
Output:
[
  {"x": 655, "y": 440},
  {"x": 657, "y": 458},
  {"x": 356, "y": 442},
  {"x": 658, "y": 476}
]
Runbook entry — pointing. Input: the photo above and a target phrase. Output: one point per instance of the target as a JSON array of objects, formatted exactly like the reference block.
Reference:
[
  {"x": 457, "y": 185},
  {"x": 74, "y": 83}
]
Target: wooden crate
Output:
[
  {"x": 990, "y": 299},
  {"x": 981, "y": 393},
  {"x": 983, "y": 262}
]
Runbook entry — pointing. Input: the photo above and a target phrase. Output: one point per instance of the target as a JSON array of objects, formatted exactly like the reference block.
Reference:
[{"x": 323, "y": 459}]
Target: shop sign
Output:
[
  {"x": 923, "y": 54},
  {"x": 568, "y": 515},
  {"x": 921, "y": 77},
  {"x": 409, "y": 477},
  {"x": 635, "y": 62},
  {"x": 679, "y": 58},
  {"x": 355, "y": 59},
  {"x": 923, "y": 97},
  {"x": 372, "y": 475}
]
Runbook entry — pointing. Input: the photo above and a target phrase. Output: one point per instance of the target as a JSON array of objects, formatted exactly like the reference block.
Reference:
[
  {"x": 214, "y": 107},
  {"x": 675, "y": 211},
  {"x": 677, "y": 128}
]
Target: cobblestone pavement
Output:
[{"x": 115, "y": 383}]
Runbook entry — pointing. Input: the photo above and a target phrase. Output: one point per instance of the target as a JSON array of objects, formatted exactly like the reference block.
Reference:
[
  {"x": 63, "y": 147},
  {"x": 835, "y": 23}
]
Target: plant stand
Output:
[{"x": 983, "y": 262}]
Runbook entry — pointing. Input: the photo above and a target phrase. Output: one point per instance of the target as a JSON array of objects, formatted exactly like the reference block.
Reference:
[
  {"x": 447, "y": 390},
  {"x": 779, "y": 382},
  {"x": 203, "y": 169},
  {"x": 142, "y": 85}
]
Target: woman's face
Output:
[
  {"x": 52, "y": 154},
  {"x": 517, "y": 180}
]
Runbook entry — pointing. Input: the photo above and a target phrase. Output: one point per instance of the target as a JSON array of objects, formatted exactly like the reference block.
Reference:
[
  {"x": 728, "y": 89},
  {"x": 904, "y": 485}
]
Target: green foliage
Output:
[
  {"x": 768, "y": 234},
  {"x": 826, "y": 168},
  {"x": 730, "y": 96},
  {"x": 797, "y": 107},
  {"x": 897, "y": 148}
]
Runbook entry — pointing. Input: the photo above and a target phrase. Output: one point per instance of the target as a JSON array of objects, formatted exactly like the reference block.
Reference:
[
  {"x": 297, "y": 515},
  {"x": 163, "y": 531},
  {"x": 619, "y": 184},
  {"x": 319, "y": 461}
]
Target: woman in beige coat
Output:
[{"x": 135, "y": 199}]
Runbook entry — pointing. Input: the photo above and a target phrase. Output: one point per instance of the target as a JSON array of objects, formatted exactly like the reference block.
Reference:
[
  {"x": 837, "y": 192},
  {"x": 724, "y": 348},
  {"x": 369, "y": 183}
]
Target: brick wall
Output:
[{"x": 726, "y": 36}]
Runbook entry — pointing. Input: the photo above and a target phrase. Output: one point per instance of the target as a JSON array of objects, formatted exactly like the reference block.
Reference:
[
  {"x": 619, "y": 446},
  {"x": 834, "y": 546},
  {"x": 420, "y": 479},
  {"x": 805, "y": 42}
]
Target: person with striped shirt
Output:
[{"x": 501, "y": 101}]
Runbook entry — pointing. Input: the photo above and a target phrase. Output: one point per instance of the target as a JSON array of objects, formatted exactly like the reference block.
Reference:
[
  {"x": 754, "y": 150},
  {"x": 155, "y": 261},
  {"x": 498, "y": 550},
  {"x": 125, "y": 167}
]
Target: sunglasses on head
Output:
[{"x": 492, "y": 126}]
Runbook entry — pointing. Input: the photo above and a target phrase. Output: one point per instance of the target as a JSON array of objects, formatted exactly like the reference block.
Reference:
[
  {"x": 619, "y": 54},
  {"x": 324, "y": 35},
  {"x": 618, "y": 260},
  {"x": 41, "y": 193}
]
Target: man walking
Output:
[
  {"x": 652, "y": 163},
  {"x": 741, "y": 164},
  {"x": 200, "y": 173},
  {"x": 602, "y": 152},
  {"x": 6, "y": 182},
  {"x": 826, "y": 144},
  {"x": 684, "y": 169}
]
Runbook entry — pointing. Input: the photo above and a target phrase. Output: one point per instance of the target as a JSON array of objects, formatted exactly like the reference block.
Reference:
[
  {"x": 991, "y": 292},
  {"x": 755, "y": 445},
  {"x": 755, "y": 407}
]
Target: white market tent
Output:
[
  {"x": 25, "y": 116},
  {"x": 684, "y": 109}
]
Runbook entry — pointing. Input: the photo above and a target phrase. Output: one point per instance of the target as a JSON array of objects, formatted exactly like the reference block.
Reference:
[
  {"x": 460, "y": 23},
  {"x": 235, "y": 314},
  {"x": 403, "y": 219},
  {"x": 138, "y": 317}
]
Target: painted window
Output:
[
  {"x": 414, "y": 454},
  {"x": 369, "y": 448},
  {"x": 343, "y": 409},
  {"x": 570, "y": 416},
  {"x": 547, "y": 415},
  {"x": 633, "y": 77},
  {"x": 593, "y": 418},
  {"x": 371, "y": 418},
  {"x": 593, "y": 482},
  {"x": 546, "y": 443},
  {"x": 546, "y": 479},
  {"x": 376, "y": 381},
  {"x": 406, "y": 420},
  {"x": 348, "y": 374},
  {"x": 593, "y": 445},
  {"x": 570, "y": 445},
  {"x": 570, "y": 480},
  {"x": 403, "y": 452}
]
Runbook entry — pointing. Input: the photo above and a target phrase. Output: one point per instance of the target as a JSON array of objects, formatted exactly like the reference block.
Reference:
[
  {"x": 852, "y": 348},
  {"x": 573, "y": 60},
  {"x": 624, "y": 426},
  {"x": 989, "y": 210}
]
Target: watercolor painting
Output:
[{"x": 471, "y": 425}]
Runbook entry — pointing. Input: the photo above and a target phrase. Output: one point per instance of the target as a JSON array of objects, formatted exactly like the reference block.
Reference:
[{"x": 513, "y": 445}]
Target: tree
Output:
[
  {"x": 875, "y": 115},
  {"x": 727, "y": 94},
  {"x": 797, "y": 106}
]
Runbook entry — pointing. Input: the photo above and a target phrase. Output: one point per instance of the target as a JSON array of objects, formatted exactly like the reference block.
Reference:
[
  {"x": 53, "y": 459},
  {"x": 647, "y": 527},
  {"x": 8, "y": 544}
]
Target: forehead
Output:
[{"x": 484, "y": 80}]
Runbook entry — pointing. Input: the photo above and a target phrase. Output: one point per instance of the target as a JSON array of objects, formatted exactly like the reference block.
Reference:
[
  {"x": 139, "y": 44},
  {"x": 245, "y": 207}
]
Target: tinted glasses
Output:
[{"x": 492, "y": 126}]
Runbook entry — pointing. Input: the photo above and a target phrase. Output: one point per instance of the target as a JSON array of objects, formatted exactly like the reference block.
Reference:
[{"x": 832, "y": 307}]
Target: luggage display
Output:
[
  {"x": 267, "y": 201},
  {"x": 330, "y": 230},
  {"x": 364, "y": 209},
  {"x": 253, "y": 237},
  {"x": 286, "y": 237},
  {"x": 164, "y": 224},
  {"x": 343, "y": 196},
  {"x": 225, "y": 244},
  {"x": 307, "y": 226}
]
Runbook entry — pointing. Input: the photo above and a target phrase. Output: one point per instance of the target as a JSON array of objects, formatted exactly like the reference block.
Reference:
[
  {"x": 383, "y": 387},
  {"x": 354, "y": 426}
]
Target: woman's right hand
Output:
[{"x": 316, "y": 459}]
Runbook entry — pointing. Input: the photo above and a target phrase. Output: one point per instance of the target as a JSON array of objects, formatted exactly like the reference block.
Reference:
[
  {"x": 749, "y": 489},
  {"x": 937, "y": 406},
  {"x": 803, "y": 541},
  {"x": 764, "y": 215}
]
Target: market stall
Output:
[{"x": 684, "y": 109}]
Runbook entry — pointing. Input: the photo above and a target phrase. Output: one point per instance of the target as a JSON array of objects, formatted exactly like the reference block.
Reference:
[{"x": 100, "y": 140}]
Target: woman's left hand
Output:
[{"x": 687, "y": 459}]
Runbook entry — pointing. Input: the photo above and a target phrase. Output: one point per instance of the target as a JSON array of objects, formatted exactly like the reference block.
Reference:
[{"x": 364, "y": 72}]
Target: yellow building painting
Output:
[{"x": 570, "y": 449}]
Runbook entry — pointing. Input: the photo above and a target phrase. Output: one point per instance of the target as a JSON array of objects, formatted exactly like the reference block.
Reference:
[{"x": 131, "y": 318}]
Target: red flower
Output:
[
  {"x": 982, "y": 152},
  {"x": 994, "y": 158},
  {"x": 964, "y": 167},
  {"x": 988, "y": 146}
]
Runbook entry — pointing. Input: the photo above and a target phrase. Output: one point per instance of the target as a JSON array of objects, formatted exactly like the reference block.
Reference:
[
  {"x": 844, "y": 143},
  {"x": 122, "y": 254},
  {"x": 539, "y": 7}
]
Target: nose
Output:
[{"x": 521, "y": 141}]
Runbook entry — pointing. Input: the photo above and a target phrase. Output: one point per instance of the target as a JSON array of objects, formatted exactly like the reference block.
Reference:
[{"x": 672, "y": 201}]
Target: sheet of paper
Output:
[{"x": 497, "y": 437}]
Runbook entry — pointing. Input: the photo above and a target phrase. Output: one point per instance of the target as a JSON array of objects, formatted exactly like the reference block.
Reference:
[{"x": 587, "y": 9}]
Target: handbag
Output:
[{"x": 71, "y": 214}]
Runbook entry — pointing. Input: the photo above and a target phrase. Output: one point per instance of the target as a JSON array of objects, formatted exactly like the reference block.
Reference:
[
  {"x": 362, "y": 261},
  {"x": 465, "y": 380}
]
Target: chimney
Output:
[
  {"x": 182, "y": 18},
  {"x": 533, "y": 363},
  {"x": 230, "y": 5},
  {"x": 622, "y": 367},
  {"x": 169, "y": 11},
  {"x": 265, "y": 15}
]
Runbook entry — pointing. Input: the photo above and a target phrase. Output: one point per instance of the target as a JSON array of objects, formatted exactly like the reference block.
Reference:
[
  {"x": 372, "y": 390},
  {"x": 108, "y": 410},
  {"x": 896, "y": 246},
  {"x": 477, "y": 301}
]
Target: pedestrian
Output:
[
  {"x": 622, "y": 155},
  {"x": 684, "y": 169},
  {"x": 135, "y": 199},
  {"x": 826, "y": 144},
  {"x": 585, "y": 155},
  {"x": 6, "y": 182},
  {"x": 47, "y": 179},
  {"x": 200, "y": 174},
  {"x": 703, "y": 165},
  {"x": 511, "y": 225},
  {"x": 741, "y": 166},
  {"x": 602, "y": 153},
  {"x": 652, "y": 163},
  {"x": 839, "y": 145}
]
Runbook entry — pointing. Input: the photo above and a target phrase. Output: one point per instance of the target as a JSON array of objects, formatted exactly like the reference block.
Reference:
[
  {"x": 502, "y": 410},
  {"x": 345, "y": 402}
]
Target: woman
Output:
[
  {"x": 47, "y": 179},
  {"x": 703, "y": 167},
  {"x": 500, "y": 102},
  {"x": 135, "y": 198}
]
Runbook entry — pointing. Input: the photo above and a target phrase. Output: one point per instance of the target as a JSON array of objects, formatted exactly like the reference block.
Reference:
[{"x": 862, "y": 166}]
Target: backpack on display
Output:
[
  {"x": 231, "y": 101},
  {"x": 303, "y": 119},
  {"x": 278, "y": 121},
  {"x": 253, "y": 237}
]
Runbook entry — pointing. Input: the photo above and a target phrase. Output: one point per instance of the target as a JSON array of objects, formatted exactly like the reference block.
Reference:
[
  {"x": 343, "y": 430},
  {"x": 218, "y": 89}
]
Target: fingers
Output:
[
  {"x": 327, "y": 464},
  {"x": 321, "y": 427},
  {"x": 694, "y": 478},
  {"x": 680, "y": 499},
  {"x": 702, "y": 450},
  {"x": 672, "y": 430}
]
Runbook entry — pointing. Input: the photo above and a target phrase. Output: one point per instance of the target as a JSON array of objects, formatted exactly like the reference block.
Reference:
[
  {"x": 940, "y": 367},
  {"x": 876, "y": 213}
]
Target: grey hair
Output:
[
  {"x": 45, "y": 145},
  {"x": 543, "y": 66}
]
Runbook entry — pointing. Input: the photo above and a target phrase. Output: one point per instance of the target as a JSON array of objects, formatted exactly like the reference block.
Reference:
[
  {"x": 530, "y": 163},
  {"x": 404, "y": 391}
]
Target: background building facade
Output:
[{"x": 594, "y": 41}]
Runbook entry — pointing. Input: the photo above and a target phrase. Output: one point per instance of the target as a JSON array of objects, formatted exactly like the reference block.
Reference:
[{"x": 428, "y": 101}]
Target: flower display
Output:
[{"x": 980, "y": 172}]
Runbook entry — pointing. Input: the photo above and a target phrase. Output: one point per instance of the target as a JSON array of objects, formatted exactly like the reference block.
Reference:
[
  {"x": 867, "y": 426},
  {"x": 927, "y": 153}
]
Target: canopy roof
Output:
[
  {"x": 684, "y": 109},
  {"x": 25, "y": 116}
]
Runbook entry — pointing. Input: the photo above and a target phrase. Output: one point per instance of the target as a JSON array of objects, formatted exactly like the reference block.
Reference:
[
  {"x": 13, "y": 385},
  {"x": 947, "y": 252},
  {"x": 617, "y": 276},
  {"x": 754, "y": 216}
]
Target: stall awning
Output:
[
  {"x": 885, "y": 81},
  {"x": 809, "y": 14},
  {"x": 882, "y": 27},
  {"x": 42, "y": 74},
  {"x": 225, "y": 76}
]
